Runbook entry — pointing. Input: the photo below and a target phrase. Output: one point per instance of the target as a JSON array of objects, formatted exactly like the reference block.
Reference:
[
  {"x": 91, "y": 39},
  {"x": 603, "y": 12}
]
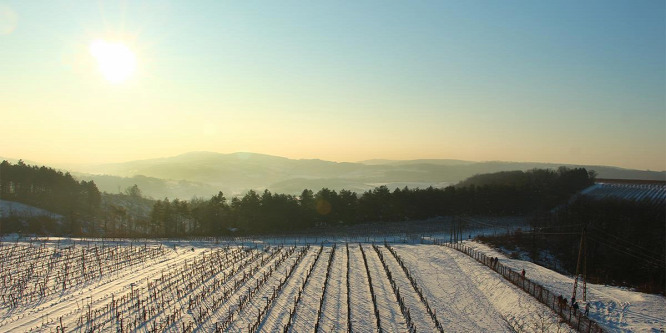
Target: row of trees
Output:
[
  {"x": 51, "y": 190},
  {"x": 269, "y": 212},
  {"x": 79, "y": 207},
  {"x": 88, "y": 212}
]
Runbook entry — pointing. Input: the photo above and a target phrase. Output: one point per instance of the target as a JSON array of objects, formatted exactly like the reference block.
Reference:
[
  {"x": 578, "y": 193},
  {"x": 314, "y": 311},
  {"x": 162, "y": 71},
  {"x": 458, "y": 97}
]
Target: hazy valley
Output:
[{"x": 203, "y": 174}]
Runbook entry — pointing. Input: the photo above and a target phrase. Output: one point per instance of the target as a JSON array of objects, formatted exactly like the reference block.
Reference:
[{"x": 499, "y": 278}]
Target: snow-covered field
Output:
[
  {"x": 615, "y": 309},
  {"x": 210, "y": 286}
]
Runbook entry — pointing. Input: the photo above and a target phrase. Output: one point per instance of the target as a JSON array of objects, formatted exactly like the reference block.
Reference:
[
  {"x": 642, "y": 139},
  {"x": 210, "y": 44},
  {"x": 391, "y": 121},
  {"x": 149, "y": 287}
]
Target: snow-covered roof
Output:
[{"x": 653, "y": 193}]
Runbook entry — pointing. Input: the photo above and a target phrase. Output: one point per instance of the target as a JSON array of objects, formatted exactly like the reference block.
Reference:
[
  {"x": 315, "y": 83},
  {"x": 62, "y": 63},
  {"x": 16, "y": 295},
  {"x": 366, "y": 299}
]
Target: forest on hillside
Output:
[
  {"x": 129, "y": 214},
  {"x": 49, "y": 189}
]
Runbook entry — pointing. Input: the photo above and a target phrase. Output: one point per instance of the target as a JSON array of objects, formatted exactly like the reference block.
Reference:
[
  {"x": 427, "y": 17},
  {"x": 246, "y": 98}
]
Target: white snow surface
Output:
[
  {"x": 197, "y": 285},
  {"x": 615, "y": 309},
  {"x": 10, "y": 208}
]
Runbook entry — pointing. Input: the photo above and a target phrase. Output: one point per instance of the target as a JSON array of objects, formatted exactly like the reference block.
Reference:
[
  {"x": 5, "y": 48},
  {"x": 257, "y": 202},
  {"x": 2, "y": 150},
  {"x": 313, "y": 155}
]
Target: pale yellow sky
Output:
[{"x": 338, "y": 82}]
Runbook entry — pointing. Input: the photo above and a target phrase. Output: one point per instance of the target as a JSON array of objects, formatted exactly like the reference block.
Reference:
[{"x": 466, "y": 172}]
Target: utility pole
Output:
[{"x": 582, "y": 254}]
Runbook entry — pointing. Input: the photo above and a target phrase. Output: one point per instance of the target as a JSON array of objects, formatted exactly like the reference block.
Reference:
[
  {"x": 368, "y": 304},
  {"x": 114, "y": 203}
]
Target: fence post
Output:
[
  {"x": 578, "y": 326},
  {"x": 553, "y": 305},
  {"x": 569, "y": 314}
]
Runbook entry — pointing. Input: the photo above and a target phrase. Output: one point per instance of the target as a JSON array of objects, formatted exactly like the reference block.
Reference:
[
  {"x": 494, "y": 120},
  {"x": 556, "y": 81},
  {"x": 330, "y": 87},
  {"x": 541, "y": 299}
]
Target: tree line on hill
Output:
[
  {"x": 87, "y": 212},
  {"x": 266, "y": 212},
  {"x": 51, "y": 190}
]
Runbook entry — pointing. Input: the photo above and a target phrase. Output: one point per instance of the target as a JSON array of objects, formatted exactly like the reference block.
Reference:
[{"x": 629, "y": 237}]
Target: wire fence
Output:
[{"x": 575, "y": 318}]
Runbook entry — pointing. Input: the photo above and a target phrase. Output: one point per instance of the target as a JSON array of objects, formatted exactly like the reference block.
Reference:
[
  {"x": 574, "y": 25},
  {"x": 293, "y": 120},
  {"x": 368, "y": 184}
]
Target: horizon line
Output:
[{"x": 364, "y": 162}]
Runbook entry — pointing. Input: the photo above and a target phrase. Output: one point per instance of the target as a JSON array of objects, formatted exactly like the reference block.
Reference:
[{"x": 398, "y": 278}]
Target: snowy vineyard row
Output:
[
  {"x": 155, "y": 288},
  {"x": 31, "y": 273}
]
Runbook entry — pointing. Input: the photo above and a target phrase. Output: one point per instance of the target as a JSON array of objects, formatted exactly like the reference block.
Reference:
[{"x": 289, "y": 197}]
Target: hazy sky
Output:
[{"x": 544, "y": 81}]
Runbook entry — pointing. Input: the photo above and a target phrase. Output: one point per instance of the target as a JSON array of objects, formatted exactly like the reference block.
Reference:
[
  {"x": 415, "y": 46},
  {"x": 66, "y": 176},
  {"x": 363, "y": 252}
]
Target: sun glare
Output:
[{"x": 115, "y": 60}]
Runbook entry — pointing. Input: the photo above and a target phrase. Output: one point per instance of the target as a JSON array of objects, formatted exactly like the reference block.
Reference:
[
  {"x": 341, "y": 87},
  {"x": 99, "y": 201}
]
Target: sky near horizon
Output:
[{"x": 540, "y": 81}]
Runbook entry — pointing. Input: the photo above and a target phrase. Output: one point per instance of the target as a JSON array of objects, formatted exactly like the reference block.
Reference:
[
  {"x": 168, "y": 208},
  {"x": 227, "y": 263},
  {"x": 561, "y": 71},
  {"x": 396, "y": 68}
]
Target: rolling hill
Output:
[{"x": 206, "y": 173}]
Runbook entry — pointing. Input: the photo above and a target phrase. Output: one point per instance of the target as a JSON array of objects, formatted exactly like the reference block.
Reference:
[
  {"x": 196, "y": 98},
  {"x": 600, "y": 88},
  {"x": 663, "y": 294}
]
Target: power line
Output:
[
  {"x": 627, "y": 243},
  {"x": 648, "y": 261},
  {"x": 626, "y": 249},
  {"x": 655, "y": 262},
  {"x": 550, "y": 233},
  {"x": 560, "y": 226}
]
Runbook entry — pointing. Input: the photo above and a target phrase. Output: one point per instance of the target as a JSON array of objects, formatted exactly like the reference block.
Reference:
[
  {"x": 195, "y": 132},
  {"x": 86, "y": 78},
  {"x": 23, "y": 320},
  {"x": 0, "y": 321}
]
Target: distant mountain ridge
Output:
[
  {"x": 417, "y": 161},
  {"x": 205, "y": 173}
]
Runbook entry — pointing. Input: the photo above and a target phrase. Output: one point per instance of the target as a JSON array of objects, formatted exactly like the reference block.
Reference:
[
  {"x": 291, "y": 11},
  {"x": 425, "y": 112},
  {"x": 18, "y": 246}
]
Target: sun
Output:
[{"x": 115, "y": 60}]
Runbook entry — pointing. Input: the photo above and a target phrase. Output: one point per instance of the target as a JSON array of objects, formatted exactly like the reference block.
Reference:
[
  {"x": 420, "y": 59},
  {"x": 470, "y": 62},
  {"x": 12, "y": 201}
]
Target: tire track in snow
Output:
[{"x": 459, "y": 306}]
